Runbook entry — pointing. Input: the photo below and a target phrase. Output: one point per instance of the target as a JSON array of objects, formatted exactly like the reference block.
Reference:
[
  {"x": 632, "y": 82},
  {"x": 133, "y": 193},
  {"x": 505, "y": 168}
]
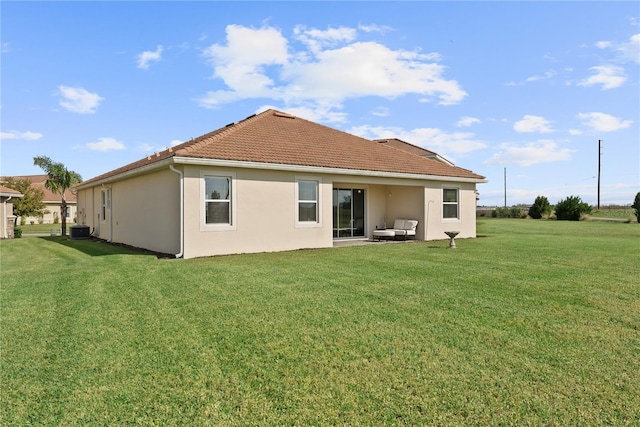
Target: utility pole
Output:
[
  {"x": 505, "y": 187},
  {"x": 599, "y": 156}
]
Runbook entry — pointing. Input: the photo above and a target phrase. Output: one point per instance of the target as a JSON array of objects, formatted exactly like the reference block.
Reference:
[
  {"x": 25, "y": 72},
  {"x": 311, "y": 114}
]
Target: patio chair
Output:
[{"x": 405, "y": 228}]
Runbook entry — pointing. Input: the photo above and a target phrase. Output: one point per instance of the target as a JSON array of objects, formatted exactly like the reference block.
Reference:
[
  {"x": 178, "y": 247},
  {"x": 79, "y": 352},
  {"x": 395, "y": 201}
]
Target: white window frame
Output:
[
  {"x": 457, "y": 203},
  {"x": 232, "y": 200},
  {"x": 105, "y": 203},
  {"x": 318, "y": 221}
]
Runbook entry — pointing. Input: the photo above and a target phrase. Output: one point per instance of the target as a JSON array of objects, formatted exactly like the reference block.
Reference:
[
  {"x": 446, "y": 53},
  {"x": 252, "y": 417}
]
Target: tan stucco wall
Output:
[
  {"x": 48, "y": 218},
  {"x": 436, "y": 225},
  {"x": 266, "y": 214},
  {"x": 4, "y": 214},
  {"x": 145, "y": 212}
]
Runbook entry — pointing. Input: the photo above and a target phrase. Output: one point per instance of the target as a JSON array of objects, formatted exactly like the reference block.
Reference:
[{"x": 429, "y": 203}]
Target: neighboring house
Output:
[
  {"x": 274, "y": 182},
  {"x": 52, "y": 201},
  {"x": 6, "y": 211}
]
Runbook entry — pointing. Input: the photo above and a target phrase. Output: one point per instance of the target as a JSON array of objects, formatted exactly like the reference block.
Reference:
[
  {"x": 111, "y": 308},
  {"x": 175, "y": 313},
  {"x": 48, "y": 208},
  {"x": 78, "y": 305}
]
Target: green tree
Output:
[
  {"x": 59, "y": 180},
  {"x": 540, "y": 208},
  {"x": 30, "y": 204},
  {"x": 571, "y": 208},
  {"x": 636, "y": 206}
]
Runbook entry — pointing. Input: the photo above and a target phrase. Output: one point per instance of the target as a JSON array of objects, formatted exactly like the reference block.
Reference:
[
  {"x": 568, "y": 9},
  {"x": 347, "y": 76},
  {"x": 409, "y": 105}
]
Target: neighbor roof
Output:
[
  {"x": 274, "y": 137},
  {"x": 9, "y": 192},
  {"x": 37, "y": 181}
]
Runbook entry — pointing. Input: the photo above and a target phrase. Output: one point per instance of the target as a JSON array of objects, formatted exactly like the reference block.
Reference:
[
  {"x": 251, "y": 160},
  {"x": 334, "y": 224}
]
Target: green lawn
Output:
[{"x": 532, "y": 323}]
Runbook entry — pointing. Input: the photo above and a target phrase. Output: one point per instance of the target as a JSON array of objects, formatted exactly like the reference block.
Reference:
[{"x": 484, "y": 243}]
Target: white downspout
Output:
[
  {"x": 179, "y": 255},
  {"x": 4, "y": 219},
  {"x": 426, "y": 223}
]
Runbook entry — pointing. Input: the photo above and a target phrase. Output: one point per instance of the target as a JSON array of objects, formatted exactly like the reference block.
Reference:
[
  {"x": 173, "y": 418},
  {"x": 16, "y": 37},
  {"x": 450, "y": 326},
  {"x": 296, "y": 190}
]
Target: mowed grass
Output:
[{"x": 532, "y": 323}]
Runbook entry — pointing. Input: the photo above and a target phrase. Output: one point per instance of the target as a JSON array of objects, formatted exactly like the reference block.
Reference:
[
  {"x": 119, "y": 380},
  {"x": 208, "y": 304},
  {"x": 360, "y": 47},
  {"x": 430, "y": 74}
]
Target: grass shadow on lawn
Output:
[{"x": 98, "y": 247}]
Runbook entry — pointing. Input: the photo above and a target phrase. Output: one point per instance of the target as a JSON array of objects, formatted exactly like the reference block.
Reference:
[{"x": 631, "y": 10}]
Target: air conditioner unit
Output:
[{"x": 79, "y": 232}]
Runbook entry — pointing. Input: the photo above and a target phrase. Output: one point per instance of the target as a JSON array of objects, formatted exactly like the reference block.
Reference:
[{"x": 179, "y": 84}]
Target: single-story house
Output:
[
  {"x": 275, "y": 182},
  {"x": 6, "y": 211},
  {"x": 52, "y": 201}
]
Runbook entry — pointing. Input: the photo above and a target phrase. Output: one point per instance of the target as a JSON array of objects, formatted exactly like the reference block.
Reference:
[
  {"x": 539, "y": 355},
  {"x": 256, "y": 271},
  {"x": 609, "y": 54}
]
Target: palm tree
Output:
[{"x": 59, "y": 180}]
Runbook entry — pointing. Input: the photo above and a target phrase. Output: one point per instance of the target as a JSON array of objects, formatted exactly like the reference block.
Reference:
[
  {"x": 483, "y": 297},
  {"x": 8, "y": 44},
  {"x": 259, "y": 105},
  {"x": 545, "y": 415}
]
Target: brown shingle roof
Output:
[
  {"x": 414, "y": 149},
  {"x": 9, "y": 191},
  {"x": 37, "y": 181},
  {"x": 279, "y": 138},
  {"x": 402, "y": 145}
]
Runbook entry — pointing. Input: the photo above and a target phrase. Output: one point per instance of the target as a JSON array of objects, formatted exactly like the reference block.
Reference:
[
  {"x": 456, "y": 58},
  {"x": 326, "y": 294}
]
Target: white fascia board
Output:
[
  {"x": 317, "y": 169},
  {"x": 164, "y": 163},
  {"x": 12, "y": 195}
]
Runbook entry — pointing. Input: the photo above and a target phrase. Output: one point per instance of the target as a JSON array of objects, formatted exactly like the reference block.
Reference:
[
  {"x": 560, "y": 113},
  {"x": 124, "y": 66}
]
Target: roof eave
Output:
[
  {"x": 319, "y": 169},
  {"x": 126, "y": 174}
]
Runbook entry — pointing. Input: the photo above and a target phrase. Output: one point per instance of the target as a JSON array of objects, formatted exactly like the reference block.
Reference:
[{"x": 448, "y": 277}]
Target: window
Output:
[
  {"x": 307, "y": 201},
  {"x": 450, "y": 203},
  {"x": 217, "y": 200},
  {"x": 105, "y": 203}
]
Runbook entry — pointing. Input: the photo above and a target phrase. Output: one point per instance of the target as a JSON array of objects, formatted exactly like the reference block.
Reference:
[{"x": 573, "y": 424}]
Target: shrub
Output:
[
  {"x": 56, "y": 218},
  {"x": 514, "y": 212},
  {"x": 17, "y": 232},
  {"x": 571, "y": 209},
  {"x": 540, "y": 208},
  {"x": 636, "y": 206}
]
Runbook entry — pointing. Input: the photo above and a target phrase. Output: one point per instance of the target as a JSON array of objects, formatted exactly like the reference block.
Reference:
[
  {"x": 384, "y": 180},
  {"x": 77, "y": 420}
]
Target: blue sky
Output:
[{"x": 526, "y": 86}]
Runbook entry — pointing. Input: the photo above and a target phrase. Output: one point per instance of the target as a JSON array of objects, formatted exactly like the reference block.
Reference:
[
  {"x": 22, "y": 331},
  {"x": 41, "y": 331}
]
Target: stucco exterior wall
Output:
[
  {"x": 6, "y": 211},
  {"x": 53, "y": 209},
  {"x": 144, "y": 211},
  {"x": 436, "y": 224},
  {"x": 265, "y": 214}
]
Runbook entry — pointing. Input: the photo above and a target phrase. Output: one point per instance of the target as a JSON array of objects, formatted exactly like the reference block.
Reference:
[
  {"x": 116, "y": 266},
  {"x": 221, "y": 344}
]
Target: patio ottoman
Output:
[{"x": 384, "y": 234}]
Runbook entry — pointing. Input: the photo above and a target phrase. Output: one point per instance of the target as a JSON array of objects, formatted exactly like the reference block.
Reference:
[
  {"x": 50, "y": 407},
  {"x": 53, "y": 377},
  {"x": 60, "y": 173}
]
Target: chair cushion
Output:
[
  {"x": 411, "y": 225},
  {"x": 399, "y": 224}
]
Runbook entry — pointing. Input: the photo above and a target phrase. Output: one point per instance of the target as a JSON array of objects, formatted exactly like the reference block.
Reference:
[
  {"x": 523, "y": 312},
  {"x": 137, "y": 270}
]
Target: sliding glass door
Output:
[{"x": 348, "y": 212}]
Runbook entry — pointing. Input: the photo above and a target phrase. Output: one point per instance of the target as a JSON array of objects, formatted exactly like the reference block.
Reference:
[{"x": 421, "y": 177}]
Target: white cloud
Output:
[
  {"x": 628, "y": 51},
  {"x": 631, "y": 49},
  {"x": 331, "y": 68},
  {"x": 575, "y": 132},
  {"x": 467, "y": 121},
  {"x": 530, "y": 124},
  {"x": 148, "y": 56},
  {"x": 105, "y": 144},
  {"x": 373, "y": 28},
  {"x": 175, "y": 142},
  {"x": 317, "y": 39},
  {"x": 13, "y": 134},
  {"x": 603, "y": 122},
  {"x": 609, "y": 76},
  {"x": 380, "y": 112},
  {"x": 541, "y": 151},
  {"x": 547, "y": 75},
  {"x": 79, "y": 100},
  {"x": 433, "y": 139},
  {"x": 6, "y": 47}
]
